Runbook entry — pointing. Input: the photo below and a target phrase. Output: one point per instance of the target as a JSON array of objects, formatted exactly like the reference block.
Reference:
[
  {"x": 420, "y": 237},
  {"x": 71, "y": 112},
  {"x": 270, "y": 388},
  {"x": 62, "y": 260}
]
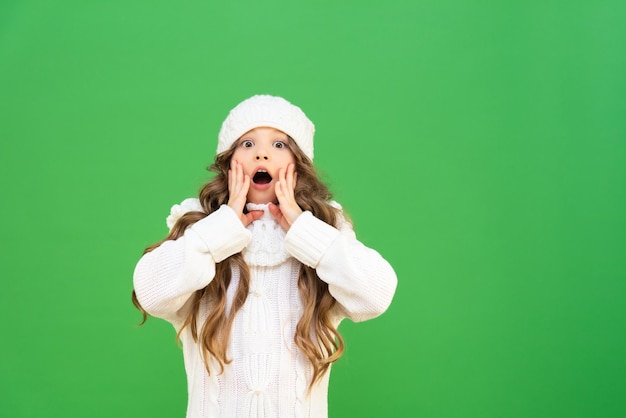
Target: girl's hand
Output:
[
  {"x": 288, "y": 210},
  {"x": 238, "y": 185}
]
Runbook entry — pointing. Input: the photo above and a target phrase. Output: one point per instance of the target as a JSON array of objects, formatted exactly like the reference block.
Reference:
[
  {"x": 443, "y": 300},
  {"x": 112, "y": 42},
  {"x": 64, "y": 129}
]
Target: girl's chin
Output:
[{"x": 262, "y": 200}]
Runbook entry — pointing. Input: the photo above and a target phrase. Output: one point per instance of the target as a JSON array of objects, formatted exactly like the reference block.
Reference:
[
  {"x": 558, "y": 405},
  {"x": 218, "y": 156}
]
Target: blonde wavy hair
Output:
[{"x": 315, "y": 334}]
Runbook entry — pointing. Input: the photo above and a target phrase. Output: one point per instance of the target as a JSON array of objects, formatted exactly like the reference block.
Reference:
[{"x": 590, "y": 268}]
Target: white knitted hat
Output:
[{"x": 267, "y": 111}]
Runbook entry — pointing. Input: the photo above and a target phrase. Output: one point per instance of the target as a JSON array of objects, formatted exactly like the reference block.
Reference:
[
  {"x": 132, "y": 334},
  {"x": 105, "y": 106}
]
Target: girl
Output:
[{"x": 258, "y": 272}]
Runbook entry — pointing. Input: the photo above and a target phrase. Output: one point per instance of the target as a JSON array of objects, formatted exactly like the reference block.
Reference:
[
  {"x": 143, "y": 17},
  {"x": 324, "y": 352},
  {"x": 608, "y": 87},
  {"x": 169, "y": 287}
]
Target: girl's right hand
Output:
[{"x": 238, "y": 185}]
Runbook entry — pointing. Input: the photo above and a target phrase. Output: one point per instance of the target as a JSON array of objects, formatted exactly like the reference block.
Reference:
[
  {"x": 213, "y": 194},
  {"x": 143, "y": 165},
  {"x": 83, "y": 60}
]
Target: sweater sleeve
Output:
[
  {"x": 166, "y": 277},
  {"x": 358, "y": 277}
]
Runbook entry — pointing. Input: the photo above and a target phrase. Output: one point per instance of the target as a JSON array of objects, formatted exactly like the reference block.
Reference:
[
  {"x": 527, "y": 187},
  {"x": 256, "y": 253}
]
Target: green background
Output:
[{"x": 480, "y": 146}]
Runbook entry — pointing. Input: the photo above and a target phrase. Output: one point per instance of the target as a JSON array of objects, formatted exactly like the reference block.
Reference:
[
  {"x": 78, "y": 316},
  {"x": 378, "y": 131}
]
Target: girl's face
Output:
[{"x": 262, "y": 152}]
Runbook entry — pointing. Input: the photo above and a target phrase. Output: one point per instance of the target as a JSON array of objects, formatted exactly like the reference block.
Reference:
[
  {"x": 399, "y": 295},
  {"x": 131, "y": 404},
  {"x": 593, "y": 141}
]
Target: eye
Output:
[
  {"x": 280, "y": 145},
  {"x": 246, "y": 143}
]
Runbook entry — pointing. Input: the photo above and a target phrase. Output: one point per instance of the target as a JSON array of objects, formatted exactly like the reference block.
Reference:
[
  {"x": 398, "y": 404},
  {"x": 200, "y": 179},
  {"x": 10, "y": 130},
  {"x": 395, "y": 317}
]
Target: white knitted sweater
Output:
[{"x": 269, "y": 375}]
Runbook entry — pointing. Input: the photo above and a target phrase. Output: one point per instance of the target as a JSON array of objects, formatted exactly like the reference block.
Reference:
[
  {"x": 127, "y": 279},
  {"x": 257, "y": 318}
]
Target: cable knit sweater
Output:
[{"x": 269, "y": 375}]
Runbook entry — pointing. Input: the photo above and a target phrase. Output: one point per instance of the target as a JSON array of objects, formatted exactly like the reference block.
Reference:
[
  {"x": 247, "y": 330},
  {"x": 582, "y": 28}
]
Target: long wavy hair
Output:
[{"x": 315, "y": 334}]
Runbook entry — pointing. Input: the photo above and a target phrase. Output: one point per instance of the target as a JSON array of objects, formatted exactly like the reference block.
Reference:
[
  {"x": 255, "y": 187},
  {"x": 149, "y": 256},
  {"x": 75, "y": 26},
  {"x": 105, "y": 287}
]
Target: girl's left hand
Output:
[{"x": 288, "y": 210}]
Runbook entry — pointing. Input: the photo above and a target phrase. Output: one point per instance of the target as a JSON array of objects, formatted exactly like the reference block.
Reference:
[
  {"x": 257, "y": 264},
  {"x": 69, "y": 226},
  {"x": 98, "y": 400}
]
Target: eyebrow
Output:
[{"x": 247, "y": 138}]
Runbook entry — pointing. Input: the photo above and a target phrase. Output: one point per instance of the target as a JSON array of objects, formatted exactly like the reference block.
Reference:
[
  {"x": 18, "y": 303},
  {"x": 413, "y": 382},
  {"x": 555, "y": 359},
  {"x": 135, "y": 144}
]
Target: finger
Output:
[
  {"x": 232, "y": 176},
  {"x": 278, "y": 188},
  {"x": 288, "y": 175},
  {"x": 237, "y": 175},
  {"x": 252, "y": 216},
  {"x": 291, "y": 168},
  {"x": 282, "y": 193},
  {"x": 274, "y": 210},
  {"x": 245, "y": 185},
  {"x": 239, "y": 180},
  {"x": 281, "y": 174},
  {"x": 279, "y": 191},
  {"x": 278, "y": 215}
]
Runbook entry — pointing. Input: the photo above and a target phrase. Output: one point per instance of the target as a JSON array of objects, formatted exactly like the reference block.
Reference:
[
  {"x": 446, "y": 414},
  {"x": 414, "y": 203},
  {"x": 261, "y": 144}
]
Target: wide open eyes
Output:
[{"x": 248, "y": 143}]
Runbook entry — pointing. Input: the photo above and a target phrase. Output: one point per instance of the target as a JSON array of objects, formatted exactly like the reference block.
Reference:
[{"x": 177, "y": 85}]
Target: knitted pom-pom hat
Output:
[{"x": 267, "y": 111}]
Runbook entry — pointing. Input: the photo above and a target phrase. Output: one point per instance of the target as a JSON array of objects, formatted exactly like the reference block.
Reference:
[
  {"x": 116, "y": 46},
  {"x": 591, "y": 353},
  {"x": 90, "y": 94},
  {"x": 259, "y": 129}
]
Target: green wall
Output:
[{"x": 479, "y": 146}]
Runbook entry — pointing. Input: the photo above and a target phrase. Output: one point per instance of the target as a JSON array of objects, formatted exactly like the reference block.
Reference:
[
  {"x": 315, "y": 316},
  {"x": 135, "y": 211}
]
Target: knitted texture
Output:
[
  {"x": 267, "y": 111},
  {"x": 267, "y": 245},
  {"x": 268, "y": 375}
]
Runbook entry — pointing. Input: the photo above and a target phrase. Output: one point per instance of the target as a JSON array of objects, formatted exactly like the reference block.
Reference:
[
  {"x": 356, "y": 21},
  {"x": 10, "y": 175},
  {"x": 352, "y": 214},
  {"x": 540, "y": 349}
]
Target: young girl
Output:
[{"x": 258, "y": 272}]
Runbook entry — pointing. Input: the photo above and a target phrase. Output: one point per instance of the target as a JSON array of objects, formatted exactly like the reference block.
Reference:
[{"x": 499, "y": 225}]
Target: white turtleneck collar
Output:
[{"x": 267, "y": 244}]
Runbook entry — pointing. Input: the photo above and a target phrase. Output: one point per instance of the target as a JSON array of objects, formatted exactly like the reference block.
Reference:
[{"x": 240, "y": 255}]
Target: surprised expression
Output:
[{"x": 261, "y": 153}]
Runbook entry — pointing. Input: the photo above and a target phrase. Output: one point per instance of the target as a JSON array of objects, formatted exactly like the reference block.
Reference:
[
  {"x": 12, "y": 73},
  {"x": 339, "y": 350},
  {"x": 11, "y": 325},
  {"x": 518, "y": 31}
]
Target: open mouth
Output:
[{"x": 261, "y": 177}]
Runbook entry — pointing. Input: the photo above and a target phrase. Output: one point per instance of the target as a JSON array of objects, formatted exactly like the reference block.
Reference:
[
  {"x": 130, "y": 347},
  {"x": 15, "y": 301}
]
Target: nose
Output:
[{"x": 262, "y": 155}]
